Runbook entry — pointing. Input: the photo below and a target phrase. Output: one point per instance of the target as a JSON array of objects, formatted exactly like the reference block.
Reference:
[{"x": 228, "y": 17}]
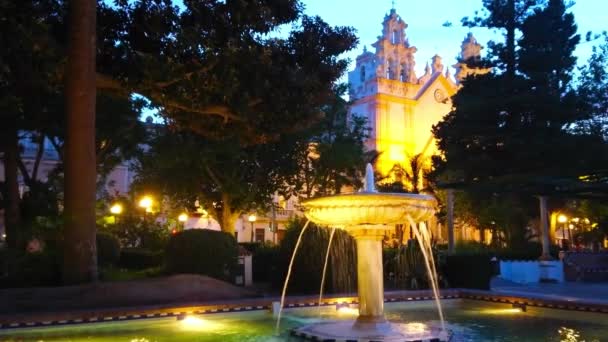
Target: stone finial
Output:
[
  {"x": 427, "y": 69},
  {"x": 470, "y": 48},
  {"x": 437, "y": 64}
]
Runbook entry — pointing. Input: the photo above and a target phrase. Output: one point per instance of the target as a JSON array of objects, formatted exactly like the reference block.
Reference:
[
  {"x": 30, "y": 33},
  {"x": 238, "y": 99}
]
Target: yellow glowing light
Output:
[
  {"x": 562, "y": 218},
  {"x": 116, "y": 209},
  {"x": 576, "y": 220},
  {"x": 348, "y": 311},
  {"x": 145, "y": 202},
  {"x": 193, "y": 323},
  {"x": 586, "y": 220},
  {"x": 252, "y": 218},
  {"x": 183, "y": 217},
  {"x": 507, "y": 311}
]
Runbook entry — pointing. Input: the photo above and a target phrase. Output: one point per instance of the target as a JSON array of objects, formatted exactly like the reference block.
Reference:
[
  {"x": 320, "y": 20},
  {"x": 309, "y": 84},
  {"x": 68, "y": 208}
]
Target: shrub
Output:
[
  {"x": 31, "y": 269},
  {"x": 139, "y": 259},
  {"x": 468, "y": 271},
  {"x": 137, "y": 232},
  {"x": 202, "y": 251},
  {"x": 265, "y": 263},
  {"x": 308, "y": 265},
  {"x": 405, "y": 268},
  {"x": 108, "y": 249}
]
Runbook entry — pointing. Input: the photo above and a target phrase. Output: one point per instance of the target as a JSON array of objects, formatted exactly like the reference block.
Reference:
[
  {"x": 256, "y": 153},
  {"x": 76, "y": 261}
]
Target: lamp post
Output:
[
  {"x": 182, "y": 218},
  {"x": 115, "y": 210},
  {"x": 146, "y": 203},
  {"x": 563, "y": 219},
  {"x": 252, "y": 218}
]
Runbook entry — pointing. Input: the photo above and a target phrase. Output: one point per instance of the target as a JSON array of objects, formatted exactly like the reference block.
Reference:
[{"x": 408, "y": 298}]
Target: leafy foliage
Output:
[{"x": 202, "y": 251}]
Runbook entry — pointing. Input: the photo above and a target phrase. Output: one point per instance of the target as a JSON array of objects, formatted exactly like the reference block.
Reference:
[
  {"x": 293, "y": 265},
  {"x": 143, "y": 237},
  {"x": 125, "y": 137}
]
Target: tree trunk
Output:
[
  {"x": 80, "y": 255},
  {"x": 228, "y": 217},
  {"x": 450, "y": 220},
  {"x": 11, "y": 212},
  {"x": 544, "y": 228}
]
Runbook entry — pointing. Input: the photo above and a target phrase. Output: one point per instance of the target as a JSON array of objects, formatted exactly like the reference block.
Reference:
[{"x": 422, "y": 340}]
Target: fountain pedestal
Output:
[{"x": 370, "y": 279}]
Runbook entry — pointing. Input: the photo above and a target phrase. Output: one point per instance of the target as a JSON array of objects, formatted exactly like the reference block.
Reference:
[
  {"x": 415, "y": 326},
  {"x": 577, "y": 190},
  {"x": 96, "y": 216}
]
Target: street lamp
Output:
[
  {"x": 252, "y": 218},
  {"x": 145, "y": 202},
  {"x": 183, "y": 217},
  {"x": 115, "y": 210}
]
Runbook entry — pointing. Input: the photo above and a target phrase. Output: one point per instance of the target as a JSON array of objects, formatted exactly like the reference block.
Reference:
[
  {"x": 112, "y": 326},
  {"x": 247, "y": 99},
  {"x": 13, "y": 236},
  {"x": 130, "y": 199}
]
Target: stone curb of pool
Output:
[{"x": 107, "y": 315}]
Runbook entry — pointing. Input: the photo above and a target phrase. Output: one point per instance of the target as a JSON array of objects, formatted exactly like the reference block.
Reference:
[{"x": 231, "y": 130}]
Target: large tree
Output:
[
  {"x": 219, "y": 67},
  {"x": 28, "y": 59},
  {"x": 510, "y": 130},
  {"x": 227, "y": 178},
  {"x": 507, "y": 16},
  {"x": 79, "y": 250}
]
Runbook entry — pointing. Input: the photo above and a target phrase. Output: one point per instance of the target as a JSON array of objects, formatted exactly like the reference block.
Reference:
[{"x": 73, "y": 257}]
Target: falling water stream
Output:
[
  {"x": 425, "y": 246},
  {"x": 293, "y": 257},
  {"x": 331, "y": 237}
]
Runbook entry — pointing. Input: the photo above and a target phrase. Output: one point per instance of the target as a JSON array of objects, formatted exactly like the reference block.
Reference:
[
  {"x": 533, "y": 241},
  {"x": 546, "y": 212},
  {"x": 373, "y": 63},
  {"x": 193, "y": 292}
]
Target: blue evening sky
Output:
[{"x": 425, "y": 23}]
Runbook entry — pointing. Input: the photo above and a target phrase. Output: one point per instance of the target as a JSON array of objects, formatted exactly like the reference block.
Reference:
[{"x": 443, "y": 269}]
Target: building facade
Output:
[{"x": 400, "y": 106}]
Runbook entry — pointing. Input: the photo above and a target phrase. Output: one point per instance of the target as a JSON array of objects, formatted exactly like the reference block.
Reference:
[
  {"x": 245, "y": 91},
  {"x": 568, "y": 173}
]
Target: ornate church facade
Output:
[{"x": 400, "y": 106}]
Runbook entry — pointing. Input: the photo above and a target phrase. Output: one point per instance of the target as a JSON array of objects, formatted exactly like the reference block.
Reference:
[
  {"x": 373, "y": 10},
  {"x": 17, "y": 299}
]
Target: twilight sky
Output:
[{"x": 425, "y": 19}]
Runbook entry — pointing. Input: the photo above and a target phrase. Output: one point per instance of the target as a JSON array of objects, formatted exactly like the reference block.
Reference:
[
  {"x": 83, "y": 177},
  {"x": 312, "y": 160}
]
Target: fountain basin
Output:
[
  {"x": 369, "y": 208},
  {"x": 391, "y": 332}
]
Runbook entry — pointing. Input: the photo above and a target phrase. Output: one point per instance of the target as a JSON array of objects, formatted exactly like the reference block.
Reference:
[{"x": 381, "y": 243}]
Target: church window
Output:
[
  {"x": 395, "y": 37},
  {"x": 402, "y": 74},
  {"x": 363, "y": 73},
  {"x": 389, "y": 69}
]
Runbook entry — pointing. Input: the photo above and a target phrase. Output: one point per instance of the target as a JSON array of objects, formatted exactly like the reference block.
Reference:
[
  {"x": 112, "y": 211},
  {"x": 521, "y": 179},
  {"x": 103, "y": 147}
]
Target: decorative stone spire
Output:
[
  {"x": 427, "y": 74},
  {"x": 437, "y": 64},
  {"x": 470, "y": 49},
  {"x": 470, "y": 52}
]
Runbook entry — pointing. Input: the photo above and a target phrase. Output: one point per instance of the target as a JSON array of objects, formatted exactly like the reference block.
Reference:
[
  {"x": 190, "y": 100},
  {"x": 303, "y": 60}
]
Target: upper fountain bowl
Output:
[{"x": 369, "y": 209}]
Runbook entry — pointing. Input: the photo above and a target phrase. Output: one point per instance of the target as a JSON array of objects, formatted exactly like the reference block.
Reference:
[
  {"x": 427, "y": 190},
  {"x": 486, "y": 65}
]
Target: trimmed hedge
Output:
[
  {"x": 108, "y": 249},
  {"x": 139, "y": 259},
  {"x": 468, "y": 271},
  {"x": 202, "y": 251},
  {"x": 265, "y": 263}
]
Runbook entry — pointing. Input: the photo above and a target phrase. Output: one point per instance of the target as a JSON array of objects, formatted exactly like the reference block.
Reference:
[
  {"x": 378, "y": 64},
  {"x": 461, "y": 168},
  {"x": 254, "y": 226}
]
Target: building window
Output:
[
  {"x": 402, "y": 77},
  {"x": 395, "y": 37},
  {"x": 389, "y": 69},
  {"x": 259, "y": 234},
  {"x": 362, "y": 73}
]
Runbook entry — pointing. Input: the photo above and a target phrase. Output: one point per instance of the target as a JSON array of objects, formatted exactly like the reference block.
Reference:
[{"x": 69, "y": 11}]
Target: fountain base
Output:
[{"x": 352, "y": 331}]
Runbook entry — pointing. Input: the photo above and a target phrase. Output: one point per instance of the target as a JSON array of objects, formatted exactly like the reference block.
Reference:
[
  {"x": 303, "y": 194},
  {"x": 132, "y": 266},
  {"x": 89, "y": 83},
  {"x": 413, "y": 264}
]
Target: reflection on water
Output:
[
  {"x": 571, "y": 335},
  {"x": 469, "y": 321}
]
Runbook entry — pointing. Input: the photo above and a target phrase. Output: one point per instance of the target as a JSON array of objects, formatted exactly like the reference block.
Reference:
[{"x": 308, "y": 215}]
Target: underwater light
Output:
[
  {"x": 345, "y": 309},
  {"x": 194, "y": 323}
]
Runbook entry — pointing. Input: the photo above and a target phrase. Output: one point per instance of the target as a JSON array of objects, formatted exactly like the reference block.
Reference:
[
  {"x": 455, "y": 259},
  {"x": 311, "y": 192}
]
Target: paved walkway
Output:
[{"x": 569, "y": 291}]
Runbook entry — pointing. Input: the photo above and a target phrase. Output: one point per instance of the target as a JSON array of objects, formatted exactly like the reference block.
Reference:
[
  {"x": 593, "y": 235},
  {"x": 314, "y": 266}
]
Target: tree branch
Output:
[{"x": 26, "y": 176}]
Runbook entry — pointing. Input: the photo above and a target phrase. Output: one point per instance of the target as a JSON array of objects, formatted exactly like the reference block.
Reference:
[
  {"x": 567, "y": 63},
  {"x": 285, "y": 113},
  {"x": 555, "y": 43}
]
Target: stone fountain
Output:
[{"x": 367, "y": 216}]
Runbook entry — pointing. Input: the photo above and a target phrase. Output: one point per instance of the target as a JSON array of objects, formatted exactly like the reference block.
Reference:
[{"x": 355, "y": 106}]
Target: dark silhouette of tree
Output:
[{"x": 79, "y": 251}]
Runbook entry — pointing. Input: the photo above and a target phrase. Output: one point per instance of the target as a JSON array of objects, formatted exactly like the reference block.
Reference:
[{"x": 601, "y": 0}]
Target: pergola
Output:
[{"x": 592, "y": 185}]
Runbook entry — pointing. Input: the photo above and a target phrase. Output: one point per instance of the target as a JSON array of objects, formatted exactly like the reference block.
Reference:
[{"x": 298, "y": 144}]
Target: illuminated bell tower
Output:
[{"x": 400, "y": 107}]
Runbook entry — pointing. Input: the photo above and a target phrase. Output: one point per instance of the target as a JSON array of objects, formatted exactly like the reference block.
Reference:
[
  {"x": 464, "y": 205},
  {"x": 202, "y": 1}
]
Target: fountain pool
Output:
[{"x": 469, "y": 320}]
